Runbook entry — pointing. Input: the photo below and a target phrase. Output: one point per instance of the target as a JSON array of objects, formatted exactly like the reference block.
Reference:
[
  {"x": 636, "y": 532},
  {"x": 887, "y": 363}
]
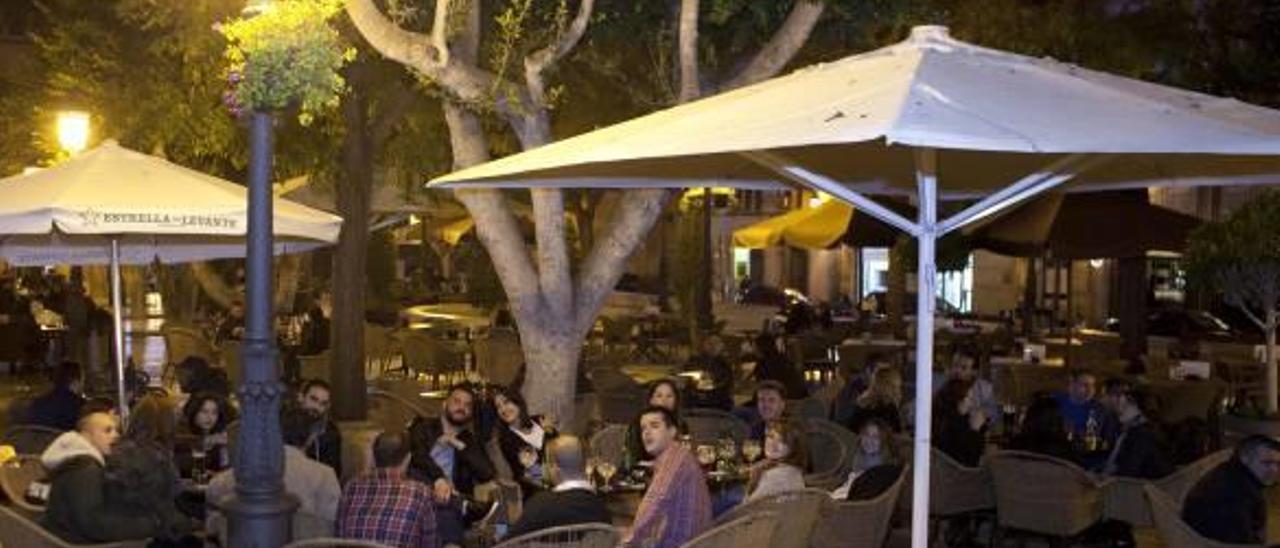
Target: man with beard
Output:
[
  {"x": 326, "y": 446},
  {"x": 450, "y": 458}
]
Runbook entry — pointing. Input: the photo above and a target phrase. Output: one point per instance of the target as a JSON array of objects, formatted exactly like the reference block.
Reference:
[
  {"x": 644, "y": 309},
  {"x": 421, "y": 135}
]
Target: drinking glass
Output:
[
  {"x": 607, "y": 470},
  {"x": 727, "y": 450},
  {"x": 751, "y": 450},
  {"x": 706, "y": 455},
  {"x": 593, "y": 464},
  {"x": 198, "y": 465},
  {"x": 528, "y": 457}
]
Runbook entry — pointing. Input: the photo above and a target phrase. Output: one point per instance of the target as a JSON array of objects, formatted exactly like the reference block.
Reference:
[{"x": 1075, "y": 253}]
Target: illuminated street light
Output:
[{"x": 73, "y": 130}]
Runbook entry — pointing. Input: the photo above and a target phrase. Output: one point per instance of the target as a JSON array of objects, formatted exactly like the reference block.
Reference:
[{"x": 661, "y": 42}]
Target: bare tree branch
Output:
[
  {"x": 782, "y": 47},
  {"x": 690, "y": 85},
  {"x": 553, "y": 251},
  {"x": 440, "y": 31},
  {"x": 638, "y": 211},
  {"x": 400, "y": 45},
  {"x": 539, "y": 61}
]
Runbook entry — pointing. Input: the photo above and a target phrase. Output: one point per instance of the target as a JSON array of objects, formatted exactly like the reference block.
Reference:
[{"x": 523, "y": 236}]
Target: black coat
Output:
[
  {"x": 874, "y": 482},
  {"x": 327, "y": 448},
  {"x": 551, "y": 509},
  {"x": 471, "y": 465},
  {"x": 1228, "y": 505},
  {"x": 1141, "y": 453},
  {"x": 885, "y": 412},
  {"x": 953, "y": 435},
  {"x": 79, "y": 512}
]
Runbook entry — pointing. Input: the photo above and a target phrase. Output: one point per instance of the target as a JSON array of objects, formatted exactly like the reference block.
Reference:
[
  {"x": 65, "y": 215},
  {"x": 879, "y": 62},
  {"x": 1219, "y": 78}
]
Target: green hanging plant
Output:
[{"x": 285, "y": 56}]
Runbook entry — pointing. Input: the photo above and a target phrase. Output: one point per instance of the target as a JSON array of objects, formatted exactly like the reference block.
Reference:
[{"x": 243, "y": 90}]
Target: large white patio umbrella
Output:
[
  {"x": 112, "y": 205},
  {"x": 1002, "y": 127}
]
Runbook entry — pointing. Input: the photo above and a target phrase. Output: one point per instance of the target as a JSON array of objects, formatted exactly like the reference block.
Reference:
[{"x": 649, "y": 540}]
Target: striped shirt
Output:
[
  {"x": 677, "y": 505},
  {"x": 384, "y": 506}
]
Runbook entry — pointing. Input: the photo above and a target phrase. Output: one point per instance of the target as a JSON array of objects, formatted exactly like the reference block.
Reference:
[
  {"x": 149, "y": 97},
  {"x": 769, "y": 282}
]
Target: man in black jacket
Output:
[
  {"x": 1139, "y": 451},
  {"x": 451, "y": 459},
  {"x": 77, "y": 510},
  {"x": 59, "y": 408},
  {"x": 1228, "y": 504},
  {"x": 326, "y": 447},
  {"x": 572, "y": 501}
]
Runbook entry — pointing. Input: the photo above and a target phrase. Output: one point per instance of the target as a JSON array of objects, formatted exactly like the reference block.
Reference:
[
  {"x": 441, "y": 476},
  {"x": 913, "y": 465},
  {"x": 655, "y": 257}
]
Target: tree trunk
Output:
[
  {"x": 895, "y": 294},
  {"x": 346, "y": 366},
  {"x": 213, "y": 285},
  {"x": 551, "y": 370},
  {"x": 1270, "y": 360}
]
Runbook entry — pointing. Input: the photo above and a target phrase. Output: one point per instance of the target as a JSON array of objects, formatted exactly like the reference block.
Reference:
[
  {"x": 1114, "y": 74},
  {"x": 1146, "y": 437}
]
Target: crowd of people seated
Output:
[{"x": 422, "y": 489}]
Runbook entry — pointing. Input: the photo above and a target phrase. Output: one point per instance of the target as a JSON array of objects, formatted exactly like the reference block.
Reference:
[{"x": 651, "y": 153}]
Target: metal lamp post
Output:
[{"x": 260, "y": 513}]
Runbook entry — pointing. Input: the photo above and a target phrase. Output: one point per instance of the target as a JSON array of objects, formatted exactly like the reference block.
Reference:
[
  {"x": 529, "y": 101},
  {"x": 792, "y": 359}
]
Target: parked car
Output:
[
  {"x": 772, "y": 296},
  {"x": 1177, "y": 322}
]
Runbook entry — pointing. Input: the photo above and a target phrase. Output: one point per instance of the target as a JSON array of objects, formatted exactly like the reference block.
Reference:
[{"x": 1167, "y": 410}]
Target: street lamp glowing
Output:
[{"x": 73, "y": 130}]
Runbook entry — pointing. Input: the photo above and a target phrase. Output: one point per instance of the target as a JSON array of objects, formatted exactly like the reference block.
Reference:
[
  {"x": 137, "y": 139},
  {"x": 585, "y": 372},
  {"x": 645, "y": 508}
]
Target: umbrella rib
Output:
[
  {"x": 1053, "y": 175},
  {"x": 792, "y": 171}
]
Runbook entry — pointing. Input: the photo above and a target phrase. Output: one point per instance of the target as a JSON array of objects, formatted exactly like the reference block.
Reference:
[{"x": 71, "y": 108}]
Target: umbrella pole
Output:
[
  {"x": 118, "y": 325},
  {"x": 927, "y": 188}
]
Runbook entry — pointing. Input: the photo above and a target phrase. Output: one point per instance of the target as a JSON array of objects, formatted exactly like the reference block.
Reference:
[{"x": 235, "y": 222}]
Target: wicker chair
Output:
[
  {"x": 1173, "y": 531},
  {"x": 1126, "y": 499},
  {"x": 857, "y": 523},
  {"x": 592, "y": 535},
  {"x": 16, "y": 476},
  {"x": 753, "y": 530},
  {"x": 1043, "y": 495},
  {"x": 957, "y": 491},
  {"x": 425, "y": 353},
  {"x": 336, "y": 543},
  {"x": 29, "y": 439},
  {"x": 707, "y": 425},
  {"x": 830, "y": 452},
  {"x": 19, "y": 530},
  {"x": 610, "y": 444},
  {"x": 182, "y": 342},
  {"x": 499, "y": 356},
  {"x": 801, "y": 508}
]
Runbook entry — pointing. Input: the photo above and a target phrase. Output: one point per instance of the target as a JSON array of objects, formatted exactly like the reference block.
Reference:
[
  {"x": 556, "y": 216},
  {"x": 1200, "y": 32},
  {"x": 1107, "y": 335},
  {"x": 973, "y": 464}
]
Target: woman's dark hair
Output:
[
  {"x": 514, "y": 397},
  {"x": 675, "y": 389},
  {"x": 947, "y": 401},
  {"x": 1044, "y": 419},
  {"x": 196, "y": 402}
]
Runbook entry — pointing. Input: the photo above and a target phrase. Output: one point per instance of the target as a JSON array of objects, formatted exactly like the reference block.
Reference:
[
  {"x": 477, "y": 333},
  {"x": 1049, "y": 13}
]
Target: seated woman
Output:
[
  {"x": 1044, "y": 431},
  {"x": 959, "y": 423},
  {"x": 773, "y": 365},
  {"x": 881, "y": 400},
  {"x": 522, "y": 439},
  {"x": 206, "y": 416},
  {"x": 140, "y": 474},
  {"x": 663, "y": 393},
  {"x": 877, "y": 463},
  {"x": 785, "y": 457}
]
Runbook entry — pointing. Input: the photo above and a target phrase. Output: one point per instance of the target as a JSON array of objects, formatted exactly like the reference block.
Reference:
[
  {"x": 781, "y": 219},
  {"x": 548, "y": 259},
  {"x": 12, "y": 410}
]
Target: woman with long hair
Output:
[
  {"x": 877, "y": 461},
  {"x": 785, "y": 458},
  {"x": 522, "y": 438},
  {"x": 140, "y": 472},
  {"x": 205, "y": 419},
  {"x": 882, "y": 400}
]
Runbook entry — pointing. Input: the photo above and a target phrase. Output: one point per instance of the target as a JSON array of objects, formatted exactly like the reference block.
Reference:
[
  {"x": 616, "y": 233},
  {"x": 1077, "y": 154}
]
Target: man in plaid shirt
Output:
[
  {"x": 677, "y": 505},
  {"x": 385, "y": 506}
]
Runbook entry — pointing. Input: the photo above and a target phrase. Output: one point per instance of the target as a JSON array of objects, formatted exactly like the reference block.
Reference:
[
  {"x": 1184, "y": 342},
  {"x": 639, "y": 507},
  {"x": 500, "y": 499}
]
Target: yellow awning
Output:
[{"x": 813, "y": 228}]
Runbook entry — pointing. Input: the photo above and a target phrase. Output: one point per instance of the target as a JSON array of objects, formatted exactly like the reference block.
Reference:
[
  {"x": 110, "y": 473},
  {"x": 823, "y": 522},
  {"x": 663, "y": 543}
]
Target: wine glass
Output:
[
  {"x": 751, "y": 450},
  {"x": 528, "y": 457},
  {"x": 706, "y": 455},
  {"x": 727, "y": 450},
  {"x": 607, "y": 470},
  {"x": 593, "y": 463}
]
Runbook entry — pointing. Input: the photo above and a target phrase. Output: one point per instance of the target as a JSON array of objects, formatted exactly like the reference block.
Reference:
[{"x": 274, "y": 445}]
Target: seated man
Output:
[
  {"x": 715, "y": 388},
  {"x": 77, "y": 510},
  {"x": 312, "y": 483},
  {"x": 771, "y": 405},
  {"x": 677, "y": 505},
  {"x": 1229, "y": 503},
  {"x": 325, "y": 447},
  {"x": 59, "y": 408},
  {"x": 1078, "y": 404},
  {"x": 449, "y": 457},
  {"x": 965, "y": 366},
  {"x": 572, "y": 501},
  {"x": 1139, "y": 451},
  {"x": 384, "y": 505}
]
